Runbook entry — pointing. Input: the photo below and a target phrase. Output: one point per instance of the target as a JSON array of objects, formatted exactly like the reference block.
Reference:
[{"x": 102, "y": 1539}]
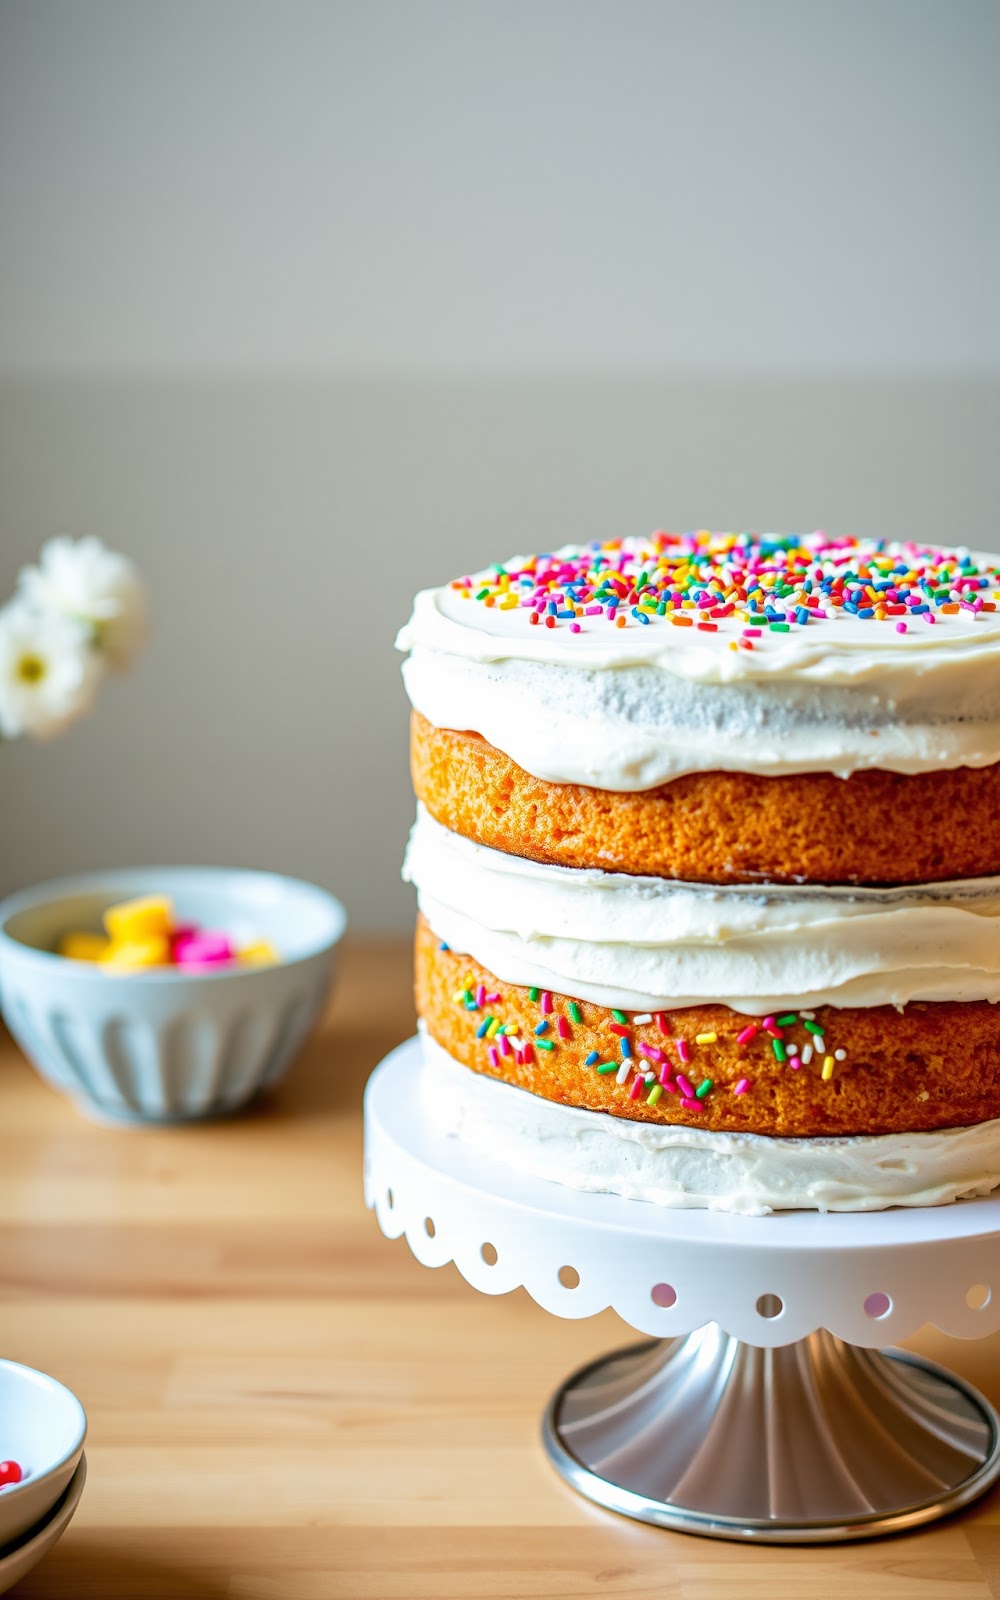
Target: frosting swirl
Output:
[{"x": 648, "y": 944}]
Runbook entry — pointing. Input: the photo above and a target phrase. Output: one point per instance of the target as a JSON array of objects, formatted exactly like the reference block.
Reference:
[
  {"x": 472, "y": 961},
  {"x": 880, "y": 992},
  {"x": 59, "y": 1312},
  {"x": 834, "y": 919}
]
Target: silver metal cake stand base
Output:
[
  {"x": 769, "y": 1431},
  {"x": 811, "y": 1442}
]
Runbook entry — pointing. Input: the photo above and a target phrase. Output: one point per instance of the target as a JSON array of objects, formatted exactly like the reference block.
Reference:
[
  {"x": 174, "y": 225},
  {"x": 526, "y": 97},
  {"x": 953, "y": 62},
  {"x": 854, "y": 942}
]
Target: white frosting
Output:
[
  {"x": 692, "y": 1168},
  {"x": 628, "y": 709},
  {"x": 648, "y": 944}
]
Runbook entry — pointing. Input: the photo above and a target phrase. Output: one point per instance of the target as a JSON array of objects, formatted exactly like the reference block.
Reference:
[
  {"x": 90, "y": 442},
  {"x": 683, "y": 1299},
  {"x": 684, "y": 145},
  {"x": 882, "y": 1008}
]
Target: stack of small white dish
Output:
[{"x": 42, "y": 1427}]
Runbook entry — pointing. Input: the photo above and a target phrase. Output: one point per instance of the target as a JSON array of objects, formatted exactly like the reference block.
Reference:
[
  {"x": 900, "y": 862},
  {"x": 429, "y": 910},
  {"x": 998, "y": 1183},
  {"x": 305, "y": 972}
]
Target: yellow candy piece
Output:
[
  {"x": 131, "y": 955},
  {"x": 137, "y": 920},
  {"x": 83, "y": 946},
  {"x": 260, "y": 954}
]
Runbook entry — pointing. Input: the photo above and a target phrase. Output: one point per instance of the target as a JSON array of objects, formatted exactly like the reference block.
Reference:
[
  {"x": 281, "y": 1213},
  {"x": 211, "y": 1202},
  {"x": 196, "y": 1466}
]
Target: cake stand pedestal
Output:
[{"x": 760, "y": 1407}]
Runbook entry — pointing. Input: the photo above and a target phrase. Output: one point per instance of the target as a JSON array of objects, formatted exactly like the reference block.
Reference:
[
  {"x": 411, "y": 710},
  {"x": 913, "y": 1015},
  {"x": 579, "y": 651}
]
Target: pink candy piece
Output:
[{"x": 203, "y": 949}]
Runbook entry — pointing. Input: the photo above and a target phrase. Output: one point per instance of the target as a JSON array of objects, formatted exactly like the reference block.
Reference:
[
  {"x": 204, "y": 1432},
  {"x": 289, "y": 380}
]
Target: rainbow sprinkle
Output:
[
  {"x": 762, "y": 584},
  {"x": 633, "y": 1071}
]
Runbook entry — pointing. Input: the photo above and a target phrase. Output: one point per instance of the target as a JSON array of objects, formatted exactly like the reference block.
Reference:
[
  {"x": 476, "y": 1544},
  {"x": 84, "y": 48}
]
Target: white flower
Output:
[
  {"x": 49, "y": 671},
  {"x": 97, "y": 587}
]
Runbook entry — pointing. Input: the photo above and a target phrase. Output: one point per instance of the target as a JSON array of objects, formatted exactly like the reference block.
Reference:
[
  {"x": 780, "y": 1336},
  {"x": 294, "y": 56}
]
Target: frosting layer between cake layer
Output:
[
  {"x": 649, "y": 944},
  {"x": 688, "y": 1167},
  {"x": 624, "y": 697}
]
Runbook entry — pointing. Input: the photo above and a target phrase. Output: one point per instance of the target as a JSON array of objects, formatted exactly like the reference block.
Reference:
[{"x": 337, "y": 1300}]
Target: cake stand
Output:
[{"x": 760, "y": 1407}]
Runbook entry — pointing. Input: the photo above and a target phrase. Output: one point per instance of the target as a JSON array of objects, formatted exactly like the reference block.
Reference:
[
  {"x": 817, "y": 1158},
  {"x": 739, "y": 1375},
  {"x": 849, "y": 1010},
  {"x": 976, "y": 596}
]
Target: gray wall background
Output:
[{"x": 308, "y": 305}]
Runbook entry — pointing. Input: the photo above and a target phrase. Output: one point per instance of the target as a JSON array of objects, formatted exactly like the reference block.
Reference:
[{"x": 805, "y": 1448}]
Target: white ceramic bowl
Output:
[
  {"x": 165, "y": 1045},
  {"x": 42, "y": 1428},
  {"x": 16, "y": 1561}
]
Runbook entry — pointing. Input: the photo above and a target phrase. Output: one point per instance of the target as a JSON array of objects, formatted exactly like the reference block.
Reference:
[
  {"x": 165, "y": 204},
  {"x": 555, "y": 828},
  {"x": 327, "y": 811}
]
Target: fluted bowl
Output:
[{"x": 167, "y": 1044}]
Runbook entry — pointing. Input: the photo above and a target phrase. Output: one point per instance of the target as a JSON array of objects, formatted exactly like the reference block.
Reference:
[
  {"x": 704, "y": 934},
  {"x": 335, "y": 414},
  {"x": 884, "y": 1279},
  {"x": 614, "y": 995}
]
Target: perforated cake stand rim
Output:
[{"x": 824, "y": 1267}]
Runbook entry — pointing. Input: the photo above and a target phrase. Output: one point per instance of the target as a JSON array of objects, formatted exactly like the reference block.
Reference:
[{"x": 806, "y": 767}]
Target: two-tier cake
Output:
[{"x": 705, "y": 851}]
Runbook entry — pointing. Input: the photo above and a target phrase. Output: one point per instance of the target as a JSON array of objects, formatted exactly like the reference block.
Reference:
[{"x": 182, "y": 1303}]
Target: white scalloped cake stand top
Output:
[{"x": 872, "y": 1278}]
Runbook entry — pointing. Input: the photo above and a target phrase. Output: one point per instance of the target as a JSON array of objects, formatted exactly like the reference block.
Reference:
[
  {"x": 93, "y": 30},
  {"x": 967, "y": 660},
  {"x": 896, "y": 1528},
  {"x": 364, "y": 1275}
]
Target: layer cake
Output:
[{"x": 708, "y": 828}]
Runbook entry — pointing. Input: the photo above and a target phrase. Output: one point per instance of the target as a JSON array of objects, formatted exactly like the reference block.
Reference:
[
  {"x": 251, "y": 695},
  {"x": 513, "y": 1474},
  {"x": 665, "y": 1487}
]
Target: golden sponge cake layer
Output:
[
  {"x": 849, "y": 1071},
  {"x": 872, "y": 828}
]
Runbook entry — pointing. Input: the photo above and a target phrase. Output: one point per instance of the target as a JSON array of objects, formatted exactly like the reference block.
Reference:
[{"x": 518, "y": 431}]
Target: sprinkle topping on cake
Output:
[{"x": 770, "y": 583}]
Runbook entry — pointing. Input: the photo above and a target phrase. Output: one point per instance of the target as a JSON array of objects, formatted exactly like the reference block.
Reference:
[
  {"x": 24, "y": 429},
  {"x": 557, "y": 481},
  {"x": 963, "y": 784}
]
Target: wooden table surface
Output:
[{"x": 285, "y": 1406}]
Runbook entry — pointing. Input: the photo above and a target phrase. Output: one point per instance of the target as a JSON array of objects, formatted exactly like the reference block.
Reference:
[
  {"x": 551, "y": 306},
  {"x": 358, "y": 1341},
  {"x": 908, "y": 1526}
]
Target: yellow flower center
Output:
[{"x": 30, "y": 669}]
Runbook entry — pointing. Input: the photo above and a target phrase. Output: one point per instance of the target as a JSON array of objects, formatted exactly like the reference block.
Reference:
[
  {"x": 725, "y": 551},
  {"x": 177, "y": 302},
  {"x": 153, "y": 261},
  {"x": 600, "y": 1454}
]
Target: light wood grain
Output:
[{"x": 285, "y": 1406}]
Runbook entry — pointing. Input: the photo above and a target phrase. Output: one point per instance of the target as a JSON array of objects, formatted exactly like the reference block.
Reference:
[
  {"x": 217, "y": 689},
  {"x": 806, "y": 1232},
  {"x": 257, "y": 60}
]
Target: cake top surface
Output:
[{"x": 722, "y": 606}]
